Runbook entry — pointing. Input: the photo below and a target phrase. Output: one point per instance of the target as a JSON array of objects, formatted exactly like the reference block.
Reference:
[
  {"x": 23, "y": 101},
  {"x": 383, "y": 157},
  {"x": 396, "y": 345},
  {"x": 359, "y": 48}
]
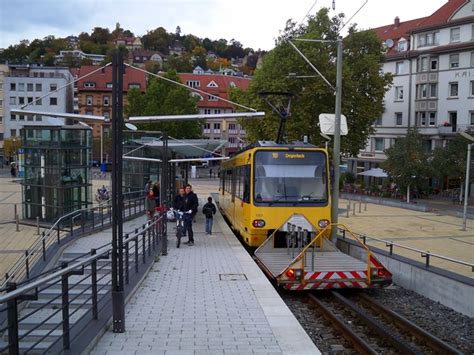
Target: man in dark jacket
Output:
[
  {"x": 209, "y": 211},
  {"x": 191, "y": 203},
  {"x": 178, "y": 203}
]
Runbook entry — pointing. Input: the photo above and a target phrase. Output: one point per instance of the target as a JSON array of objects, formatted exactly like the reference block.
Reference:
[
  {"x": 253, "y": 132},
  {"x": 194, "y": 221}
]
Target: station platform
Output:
[{"x": 210, "y": 298}]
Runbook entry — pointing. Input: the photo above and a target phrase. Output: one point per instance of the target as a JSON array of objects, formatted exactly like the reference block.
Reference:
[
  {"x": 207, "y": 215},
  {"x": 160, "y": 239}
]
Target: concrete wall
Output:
[{"x": 450, "y": 289}]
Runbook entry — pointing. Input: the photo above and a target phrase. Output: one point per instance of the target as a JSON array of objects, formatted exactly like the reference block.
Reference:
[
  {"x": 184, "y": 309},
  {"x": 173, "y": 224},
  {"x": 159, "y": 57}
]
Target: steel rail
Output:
[
  {"x": 432, "y": 341},
  {"x": 357, "y": 342},
  {"x": 377, "y": 326}
]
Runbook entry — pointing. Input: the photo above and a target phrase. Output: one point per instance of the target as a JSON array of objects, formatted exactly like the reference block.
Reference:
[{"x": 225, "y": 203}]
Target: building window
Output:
[
  {"x": 379, "y": 145},
  {"x": 453, "y": 89},
  {"x": 105, "y": 99},
  {"x": 1, "y": 119},
  {"x": 21, "y": 86},
  {"x": 471, "y": 113},
  {"x": 12, "y": 117},
  {"x": 398, "y": 93},
  {"x": 38, "y": 87},
  {"x": 217, "y": 126},
  {"x": 53, "y": 87},
  {"x": 400, "y": 67},
  {"x": 207, "y": 126},
  {"x": 455, "y": 35},
  {"x": 12, "y": 100},
  {"x": 30, "y": 117},
  {"x": 422, "y": 64},
  {"x": 193, "y": 83},
  {"x": 422, "y": 91},
  {"x": 471, "y": 88},
  {"x": 12, "y": 87},
  {"x": 30, "y": 100},
  {"x": 29, "y": 87},
  {"x": 89, "y": 84},
  {"x": 398, "y": 118},
  {"x": 109, "y": 85},
  {"x": 428, "y": 39},
  {"x": 231, "y": 126},
  {"x": 433, "y": 90},
  {"x": 217, "y": 111},
  {"x": 422, "y": 119},
  {"x": 212, "y": 98},
  {"x": 207, "y": 111},
  {"x": 53, "y": 101},
  {"x": 432, "y": 121},
  {"x": 13, "y": 132},
  {"x": 402, "y": 45},
  {"x": 106, "y": 115},
  {"x": 434, "y": 63},
  {"x": 378, "y": 121},
  {"x": 454, "y": 61},
  {"x": 21, "y": 100},
  {"x": 39, "y": 101},
  {"x": 38, "y": 118},
  {"x": 21, "y": 117},
  {"x": 134, "y": 86},
  {"x": 89, "y": 100},
  {"x": 472, "y": 59}
]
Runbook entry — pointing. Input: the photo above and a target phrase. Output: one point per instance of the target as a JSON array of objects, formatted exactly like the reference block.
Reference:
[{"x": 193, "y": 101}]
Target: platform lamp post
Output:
[
  {"x": 118, "y": 301},
  {"x": 466, "y": 184}
]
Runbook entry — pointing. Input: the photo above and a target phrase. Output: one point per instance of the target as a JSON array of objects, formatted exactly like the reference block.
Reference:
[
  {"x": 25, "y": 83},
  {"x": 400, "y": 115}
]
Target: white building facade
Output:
[
  {"x": 432, "y": 61},
  {"x": 25, "y": 84}
]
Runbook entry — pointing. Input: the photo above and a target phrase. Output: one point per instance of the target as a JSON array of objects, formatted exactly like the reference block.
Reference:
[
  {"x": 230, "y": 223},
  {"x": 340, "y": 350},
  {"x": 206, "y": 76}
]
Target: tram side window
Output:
[
  {"x": 238, "y": 182},
  {"x": 246, "y": 183},
  {"x": 228, "y": 181},
  {"x": 222, "y": 183}
]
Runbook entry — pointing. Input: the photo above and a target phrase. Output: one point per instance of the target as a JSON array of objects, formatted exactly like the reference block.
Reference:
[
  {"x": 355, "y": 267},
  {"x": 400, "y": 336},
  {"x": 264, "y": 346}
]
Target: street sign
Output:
[{"x": 327, "y": 123}]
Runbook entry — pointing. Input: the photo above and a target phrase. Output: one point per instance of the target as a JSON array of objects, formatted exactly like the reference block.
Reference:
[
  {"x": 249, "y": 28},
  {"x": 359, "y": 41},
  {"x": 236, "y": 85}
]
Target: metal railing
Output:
[
  {"x": 72, "y": 224},
  {"x": 50, "y": 313},
  {"x": 426, "y": 254}
]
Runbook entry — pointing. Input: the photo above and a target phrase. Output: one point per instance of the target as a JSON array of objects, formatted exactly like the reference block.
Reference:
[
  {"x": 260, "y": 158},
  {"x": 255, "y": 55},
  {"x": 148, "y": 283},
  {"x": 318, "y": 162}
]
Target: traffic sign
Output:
[{"x": 327, "y": 122}]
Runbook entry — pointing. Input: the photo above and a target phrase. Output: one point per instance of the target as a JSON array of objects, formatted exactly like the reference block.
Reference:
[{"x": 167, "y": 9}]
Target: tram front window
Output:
[{"x": 290, "y": 177}]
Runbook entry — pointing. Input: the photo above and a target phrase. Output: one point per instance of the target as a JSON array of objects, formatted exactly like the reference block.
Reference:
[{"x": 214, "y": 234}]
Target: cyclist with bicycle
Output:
[{"x": 190, "y": 203}]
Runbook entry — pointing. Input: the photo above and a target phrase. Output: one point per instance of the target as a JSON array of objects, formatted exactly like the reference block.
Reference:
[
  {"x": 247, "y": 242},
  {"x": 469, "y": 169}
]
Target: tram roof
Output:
[{"x": 273, "y": 144}]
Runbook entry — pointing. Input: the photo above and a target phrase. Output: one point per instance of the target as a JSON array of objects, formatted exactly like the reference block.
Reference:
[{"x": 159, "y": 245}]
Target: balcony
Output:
[{"x": 451, "y": 130}]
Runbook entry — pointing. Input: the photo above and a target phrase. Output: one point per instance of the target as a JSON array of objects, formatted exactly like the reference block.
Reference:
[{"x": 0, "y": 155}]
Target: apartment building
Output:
[
  {"x": 25, "y": 84},
  {"x": 218, "y": 86},
  {"x": 432, "y": 60},
  {"x": 3, "y": 72},
  {"x": 93, "y": 94}
]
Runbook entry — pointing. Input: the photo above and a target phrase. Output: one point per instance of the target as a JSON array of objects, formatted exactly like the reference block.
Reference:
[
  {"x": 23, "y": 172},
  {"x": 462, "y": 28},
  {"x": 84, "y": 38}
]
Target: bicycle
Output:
[{"x": 180, "y": 226}]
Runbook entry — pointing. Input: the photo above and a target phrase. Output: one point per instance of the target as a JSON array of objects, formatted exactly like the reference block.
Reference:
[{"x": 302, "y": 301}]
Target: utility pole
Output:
[
  {"x": 118, "y": 301},
  {"x": 337, "y": 140}
]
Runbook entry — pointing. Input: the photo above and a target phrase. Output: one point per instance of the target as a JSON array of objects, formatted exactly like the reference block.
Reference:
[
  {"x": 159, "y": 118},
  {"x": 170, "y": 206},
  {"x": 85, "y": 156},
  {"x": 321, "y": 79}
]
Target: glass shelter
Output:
[{"x": 57, "y": 177}]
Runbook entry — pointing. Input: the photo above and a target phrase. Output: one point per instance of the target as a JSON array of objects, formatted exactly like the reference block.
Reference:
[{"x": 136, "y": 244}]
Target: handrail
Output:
[
  {"x": 40, "y": 243},
  {"x": 423, "y": 253},
  {"x": 302, "y": 254},
  {"x": 81, "y": 263}
]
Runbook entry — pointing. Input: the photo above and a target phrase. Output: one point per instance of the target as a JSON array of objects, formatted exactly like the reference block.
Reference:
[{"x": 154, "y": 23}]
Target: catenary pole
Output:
[
  {"x": 337, "y": 140},
  {"x": 118, "y": 303}
]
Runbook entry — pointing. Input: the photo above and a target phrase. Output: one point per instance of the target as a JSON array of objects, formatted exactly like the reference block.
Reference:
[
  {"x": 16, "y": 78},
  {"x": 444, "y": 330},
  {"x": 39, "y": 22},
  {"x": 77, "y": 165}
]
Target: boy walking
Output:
[{"x": 209, "y": 210}]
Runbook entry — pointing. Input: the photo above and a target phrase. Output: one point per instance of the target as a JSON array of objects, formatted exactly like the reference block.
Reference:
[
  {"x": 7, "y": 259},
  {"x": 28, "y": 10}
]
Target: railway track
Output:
[{"x": 372, "y": 328}]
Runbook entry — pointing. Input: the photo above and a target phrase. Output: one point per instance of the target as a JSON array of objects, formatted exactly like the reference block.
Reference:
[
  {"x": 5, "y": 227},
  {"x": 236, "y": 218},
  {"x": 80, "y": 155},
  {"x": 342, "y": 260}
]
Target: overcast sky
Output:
[{"x": 255, "y": 23}]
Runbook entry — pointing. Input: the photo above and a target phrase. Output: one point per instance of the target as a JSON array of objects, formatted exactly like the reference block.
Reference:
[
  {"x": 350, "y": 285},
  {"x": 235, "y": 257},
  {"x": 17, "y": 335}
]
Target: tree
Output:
[
  {"x": 164, "y": 98},
  {"x": 364, "y": 86},
  {"x": 407, "y": 162},
  {"x": 180, "y": 64},
  {"x": 158, "y": 40},
  {"x": 450, "y": 162}
]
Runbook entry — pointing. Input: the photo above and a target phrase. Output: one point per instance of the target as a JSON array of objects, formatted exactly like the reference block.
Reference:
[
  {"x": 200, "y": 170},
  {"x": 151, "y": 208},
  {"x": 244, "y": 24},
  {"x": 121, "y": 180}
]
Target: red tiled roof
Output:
[
  {"x": 224, "y": 84},
  {"x": 104, "y": 76},
  {"x": 439, "y": 17},
  {"x": 444, "y": 13}
]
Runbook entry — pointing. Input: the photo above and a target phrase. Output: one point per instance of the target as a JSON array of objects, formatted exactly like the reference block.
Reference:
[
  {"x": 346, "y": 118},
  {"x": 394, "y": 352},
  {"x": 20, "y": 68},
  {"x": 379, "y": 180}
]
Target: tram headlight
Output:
[
  {"x": 323, "y": 223},
  {"x": 258, "y": 223},
  {"x": 295, "y": 274}
]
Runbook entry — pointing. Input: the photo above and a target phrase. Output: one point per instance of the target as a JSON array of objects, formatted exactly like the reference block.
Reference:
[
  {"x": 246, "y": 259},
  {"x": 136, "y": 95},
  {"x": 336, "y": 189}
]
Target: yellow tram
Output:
[{"x": 266, "y": 183}]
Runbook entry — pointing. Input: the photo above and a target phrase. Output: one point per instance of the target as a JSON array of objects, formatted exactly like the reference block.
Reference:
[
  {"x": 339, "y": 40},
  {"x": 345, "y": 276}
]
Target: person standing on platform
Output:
[
  {"x": 156, "y": 193},
  {"x": 191, "y": 203},
  {"x": 209, "y": 210},
  {"x": 150, "y": 205},
  {"x": 210, "y": 173}
]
